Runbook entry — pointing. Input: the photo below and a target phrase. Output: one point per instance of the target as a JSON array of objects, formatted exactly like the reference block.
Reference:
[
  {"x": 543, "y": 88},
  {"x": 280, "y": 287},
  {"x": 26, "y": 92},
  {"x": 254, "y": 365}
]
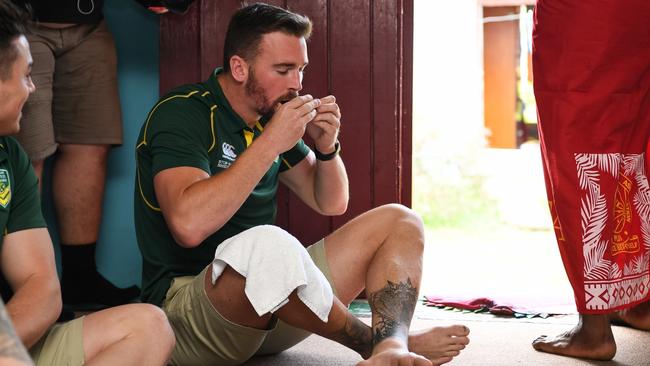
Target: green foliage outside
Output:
[{"x": 448, "y": 184}]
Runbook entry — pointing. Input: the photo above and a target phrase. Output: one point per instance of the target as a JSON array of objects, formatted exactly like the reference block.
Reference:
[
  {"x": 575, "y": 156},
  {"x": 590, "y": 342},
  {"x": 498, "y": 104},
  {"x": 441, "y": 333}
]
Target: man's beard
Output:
[{"x": 262, "y": 105}]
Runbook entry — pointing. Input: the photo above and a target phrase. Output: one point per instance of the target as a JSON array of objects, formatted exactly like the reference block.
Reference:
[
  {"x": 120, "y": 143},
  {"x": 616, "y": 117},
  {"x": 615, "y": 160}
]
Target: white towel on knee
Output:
[{"x": 274, "y": 264}]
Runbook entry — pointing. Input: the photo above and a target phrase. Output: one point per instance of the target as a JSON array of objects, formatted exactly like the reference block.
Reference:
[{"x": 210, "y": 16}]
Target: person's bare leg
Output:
[
  {"x": 637, "y": 317},
  {"x": 381, "y": 251},
  {"x": 592, "y": 339},
  {"x": 228, "y": 297},
  {"x": 78, "y": 181},
  {"x": 79, "y": 176},
  {"x": 382, "y": 248},
  {"x": 136, "y": 334}
]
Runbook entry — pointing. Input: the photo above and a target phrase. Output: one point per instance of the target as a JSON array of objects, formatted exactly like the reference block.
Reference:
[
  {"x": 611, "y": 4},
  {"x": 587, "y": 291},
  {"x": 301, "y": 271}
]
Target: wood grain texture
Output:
[
  {"x": 303, "y": 222},
  {"x": 350, "y": 79},
  {"x": 386, "y": 101},
  {"x": 179, "y": 49},
  {"x": 405, "y": 161}
]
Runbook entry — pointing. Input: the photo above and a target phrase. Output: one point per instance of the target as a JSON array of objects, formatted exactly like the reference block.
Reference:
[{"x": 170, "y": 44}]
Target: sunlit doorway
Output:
[{"x": 477, "y": 173}]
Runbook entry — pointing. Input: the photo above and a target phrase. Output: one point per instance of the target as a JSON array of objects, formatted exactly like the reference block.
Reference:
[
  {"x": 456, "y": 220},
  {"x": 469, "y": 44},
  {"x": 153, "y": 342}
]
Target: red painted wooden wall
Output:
[{"x": 361, "y": 52}]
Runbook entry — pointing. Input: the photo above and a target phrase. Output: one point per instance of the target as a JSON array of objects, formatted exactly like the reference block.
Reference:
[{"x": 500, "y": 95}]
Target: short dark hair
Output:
[
  {"x": 13, "y": 23},
  {"x": 250, "y": 23}
]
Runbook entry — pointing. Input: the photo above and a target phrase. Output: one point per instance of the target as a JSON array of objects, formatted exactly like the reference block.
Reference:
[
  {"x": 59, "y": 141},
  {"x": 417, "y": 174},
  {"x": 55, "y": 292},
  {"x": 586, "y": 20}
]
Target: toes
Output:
[
  {"x": 441, "y": 360},
  {"x": 458, "y": 330},
  {"x": 544, "y": 347},
  {"x": 539, "y": 343},
  {"x": 417, "y": 360},
  {"x": 422, "y": 362},
  {"x": 539, "y": 339},
  {"x": 451, "y": 350},
  {"x": 457, "y": 347},
  {"x": 451, "y": 353},
  {"x": 460, "y": 340}
]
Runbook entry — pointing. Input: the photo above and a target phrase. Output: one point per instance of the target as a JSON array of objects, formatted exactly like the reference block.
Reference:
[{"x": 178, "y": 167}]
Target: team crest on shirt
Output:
[{"x": 5, "y": 188}]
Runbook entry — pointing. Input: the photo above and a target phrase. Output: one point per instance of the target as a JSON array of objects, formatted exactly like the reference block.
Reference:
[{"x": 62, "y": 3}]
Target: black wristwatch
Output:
[{"x": 325, "y": 157}]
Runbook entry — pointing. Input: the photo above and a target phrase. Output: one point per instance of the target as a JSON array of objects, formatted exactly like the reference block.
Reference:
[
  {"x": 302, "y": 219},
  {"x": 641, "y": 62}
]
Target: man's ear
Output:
[{"x": 239, "y": 68}]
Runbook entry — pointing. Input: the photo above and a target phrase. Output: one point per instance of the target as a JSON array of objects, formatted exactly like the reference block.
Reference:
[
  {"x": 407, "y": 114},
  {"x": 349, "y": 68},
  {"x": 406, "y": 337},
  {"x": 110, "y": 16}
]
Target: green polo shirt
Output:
[
  {"x": 20, "y": 205},
  {"x": 195, "y": 126}
]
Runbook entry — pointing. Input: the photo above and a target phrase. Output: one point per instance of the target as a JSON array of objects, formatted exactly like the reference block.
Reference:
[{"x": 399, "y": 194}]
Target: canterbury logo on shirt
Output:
[{"x": 228, "y": 152}]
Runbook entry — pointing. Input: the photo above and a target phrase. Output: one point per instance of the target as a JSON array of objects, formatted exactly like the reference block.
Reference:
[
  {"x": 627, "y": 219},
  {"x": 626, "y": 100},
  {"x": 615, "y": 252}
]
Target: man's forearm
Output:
[
  {"x": 331, "y": 188},
  {"x": 12, "y": 351},
  {"x": 205, "y": 206},
  {"x": 34, "y": 308}
]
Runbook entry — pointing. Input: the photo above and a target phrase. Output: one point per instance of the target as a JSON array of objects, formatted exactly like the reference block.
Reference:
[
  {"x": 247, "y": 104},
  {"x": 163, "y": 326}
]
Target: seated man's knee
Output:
[
  {"x": 403, "y": 216},
  {"x": 152, "y": 323}
]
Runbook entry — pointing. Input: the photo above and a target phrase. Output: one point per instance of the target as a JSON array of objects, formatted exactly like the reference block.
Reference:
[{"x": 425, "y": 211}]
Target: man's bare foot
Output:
[
  {"x": 439, "y": 344},
  {"x": 637, "y": 317},
  {"x": 392, "y": 351},
  {"x": 592, "y": 338}
]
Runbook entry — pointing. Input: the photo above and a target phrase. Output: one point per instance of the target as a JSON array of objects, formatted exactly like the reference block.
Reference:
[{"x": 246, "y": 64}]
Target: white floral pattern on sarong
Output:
[{"x": 610, "y": 281}]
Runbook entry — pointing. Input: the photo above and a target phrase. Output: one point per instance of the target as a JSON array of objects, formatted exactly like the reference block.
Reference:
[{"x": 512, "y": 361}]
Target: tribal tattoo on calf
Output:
[{"x": 393, "y": 308}]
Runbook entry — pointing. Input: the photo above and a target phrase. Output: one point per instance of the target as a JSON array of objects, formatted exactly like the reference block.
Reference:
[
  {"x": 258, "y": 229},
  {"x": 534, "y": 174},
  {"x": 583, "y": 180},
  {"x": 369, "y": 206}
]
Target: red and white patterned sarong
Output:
[{"x": 591, "y": 68}]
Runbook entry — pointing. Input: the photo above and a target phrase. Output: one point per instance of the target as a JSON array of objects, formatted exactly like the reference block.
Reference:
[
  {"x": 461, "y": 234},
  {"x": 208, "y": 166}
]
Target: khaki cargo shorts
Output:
[
  {"x": 62, "y": 345},
  {"x": 204, "y": 337},
  {"x": 76, "y": 99}
]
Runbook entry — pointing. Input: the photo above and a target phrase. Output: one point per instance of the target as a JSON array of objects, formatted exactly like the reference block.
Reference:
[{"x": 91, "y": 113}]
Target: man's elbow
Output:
[
  {"x": 55, "y": 303},
  {"x": 336, "y": 209},
  {"x": 187, "y": 239},
  {"x": 186, "y": 235},
  {"x": 57, "y": 307},
  {"x": 340, "y": 210}
]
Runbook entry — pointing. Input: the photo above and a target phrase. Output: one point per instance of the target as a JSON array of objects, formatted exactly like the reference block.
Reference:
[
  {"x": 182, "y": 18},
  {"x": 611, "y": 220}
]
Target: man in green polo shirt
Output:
[
  {"x": 209, "y": 159},
  {"x": 136, "y": 334}
]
